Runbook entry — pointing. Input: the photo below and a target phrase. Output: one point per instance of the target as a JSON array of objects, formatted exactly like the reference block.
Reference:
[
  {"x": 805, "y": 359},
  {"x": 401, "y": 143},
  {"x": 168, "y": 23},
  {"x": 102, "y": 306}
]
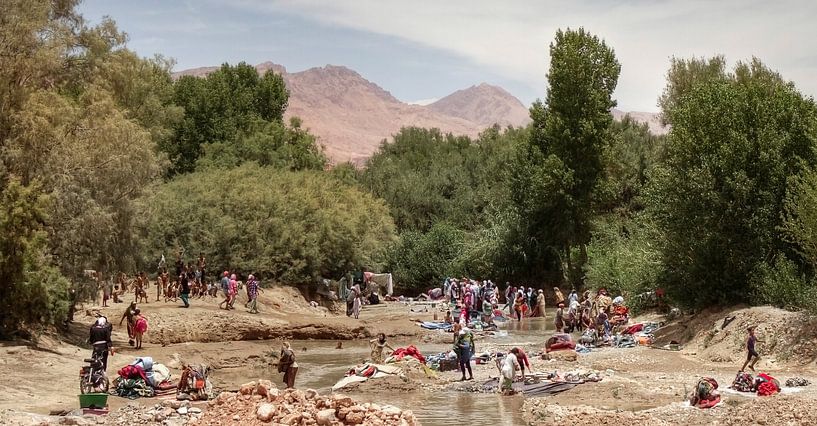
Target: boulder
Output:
[
  {"x": 326, "y": 417},
  {"x": 247, "y": 388},
  {"x": 340, "y": 401},
  {"x": 263, "y": 387},
  {"x": 355, "y": 417},
  {"x": 265, "y": 412}
]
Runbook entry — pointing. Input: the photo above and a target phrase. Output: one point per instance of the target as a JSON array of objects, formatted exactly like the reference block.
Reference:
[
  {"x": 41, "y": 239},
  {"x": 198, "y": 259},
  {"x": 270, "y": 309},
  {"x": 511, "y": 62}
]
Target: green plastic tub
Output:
[{"x": 93, "y": 400}]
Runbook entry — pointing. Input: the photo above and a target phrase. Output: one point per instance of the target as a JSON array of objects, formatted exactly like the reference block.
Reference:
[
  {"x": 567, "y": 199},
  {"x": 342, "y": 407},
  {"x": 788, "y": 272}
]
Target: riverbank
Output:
[{"x": 641, "y": 385}]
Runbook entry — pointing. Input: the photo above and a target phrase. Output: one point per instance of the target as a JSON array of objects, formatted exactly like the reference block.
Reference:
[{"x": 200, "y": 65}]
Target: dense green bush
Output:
[
  {"x": 624, "y": 257},
  {"x": 285, "y": 226},
  {"x": 735, "y": 146},
  {"x": 34, "y": 292},
  {"x": 784, "y": 285},
  {"x": 422, "y": 260}
]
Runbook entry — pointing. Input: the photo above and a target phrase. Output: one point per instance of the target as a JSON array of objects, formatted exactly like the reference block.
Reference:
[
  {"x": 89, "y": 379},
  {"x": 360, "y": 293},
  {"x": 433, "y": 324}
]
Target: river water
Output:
[{"x": 321, "y": 366}]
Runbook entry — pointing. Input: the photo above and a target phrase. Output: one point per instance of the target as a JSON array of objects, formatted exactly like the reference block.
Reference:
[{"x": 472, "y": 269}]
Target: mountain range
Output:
[{"x": 351, "y": 115}]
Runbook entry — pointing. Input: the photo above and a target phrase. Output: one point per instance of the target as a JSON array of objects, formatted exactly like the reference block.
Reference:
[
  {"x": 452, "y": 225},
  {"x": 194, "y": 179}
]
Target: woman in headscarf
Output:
[
  {"x": 356, "y": 303},
  {"x": 539, "y": 309},
  {"x": 464, "y": 348},
  {"x": 288, "y": 365},
  {"x": 130, "y": 314},
  {"x": 519, "y": 305},
  {"x": 233, "y": 291}
]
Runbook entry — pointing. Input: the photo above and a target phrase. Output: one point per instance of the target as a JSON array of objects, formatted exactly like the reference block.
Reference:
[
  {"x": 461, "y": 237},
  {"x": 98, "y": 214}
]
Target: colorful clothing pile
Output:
[
  {"x": 705, "y": 394},
  {"x": 400, "y": 353},
  {"x": 766, "y": 385}
]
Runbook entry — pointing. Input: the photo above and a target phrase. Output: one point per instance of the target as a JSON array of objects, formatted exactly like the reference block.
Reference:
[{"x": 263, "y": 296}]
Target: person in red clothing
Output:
[{"x": 523, "y": 361}]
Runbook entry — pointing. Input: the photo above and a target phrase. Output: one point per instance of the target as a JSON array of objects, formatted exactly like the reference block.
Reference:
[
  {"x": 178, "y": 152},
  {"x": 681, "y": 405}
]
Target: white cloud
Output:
[{"x": 512, "y": 38}]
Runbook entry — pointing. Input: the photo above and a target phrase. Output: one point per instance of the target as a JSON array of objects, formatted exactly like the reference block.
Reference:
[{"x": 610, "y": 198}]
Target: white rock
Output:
[{"x": 265, "y": 412}]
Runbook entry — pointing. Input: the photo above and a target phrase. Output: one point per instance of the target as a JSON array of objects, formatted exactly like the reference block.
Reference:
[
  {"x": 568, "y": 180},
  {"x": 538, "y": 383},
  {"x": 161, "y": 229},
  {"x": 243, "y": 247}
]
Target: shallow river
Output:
[{"x": 321, "y": 366}]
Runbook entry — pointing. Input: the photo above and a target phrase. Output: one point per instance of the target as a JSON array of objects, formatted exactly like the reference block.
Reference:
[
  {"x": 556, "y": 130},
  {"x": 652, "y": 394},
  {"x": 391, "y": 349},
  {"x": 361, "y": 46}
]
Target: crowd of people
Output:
[{"x": 188, "y": 281}]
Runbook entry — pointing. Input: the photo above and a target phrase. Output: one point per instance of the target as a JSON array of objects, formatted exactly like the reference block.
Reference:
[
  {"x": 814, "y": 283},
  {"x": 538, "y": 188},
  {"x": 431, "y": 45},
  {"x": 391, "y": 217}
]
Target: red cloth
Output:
[
  {"x": 560, "y": 342},
  {"x": 634, "y": 329},
  {"x": 133, "y": 372},
  {"x": 768, "y": 386},
  {"x": 399, "y": 353},
  {"x": 709, "y": 403},
  {"x": 767, "y": 389}
]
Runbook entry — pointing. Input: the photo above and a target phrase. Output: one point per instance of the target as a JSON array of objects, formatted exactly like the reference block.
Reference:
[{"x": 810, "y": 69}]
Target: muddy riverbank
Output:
[{"x": 640, "y": 385}]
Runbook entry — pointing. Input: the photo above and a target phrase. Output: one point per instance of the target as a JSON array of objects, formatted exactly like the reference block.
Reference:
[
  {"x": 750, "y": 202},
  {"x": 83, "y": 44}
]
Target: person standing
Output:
[
  {"x": 225, "y": 290},
  {"x": 572, "y": 297},
  {"x": 560, "y": 298},
  {"x": 519, "y": 305},
  {"x": 559, "y": 322},
  {"x": 130, "y": 315},
  {"x": 378, "y": 345},
  {"x": 357, "y": 302},
  {"x": 539, "y": 310},
  {"x": 752, "y": 356},
  {"x": 252, "y": 294},
  {"x": 201, "y": 263},
  {"x": 184, "y": 288},
  {"x": 100, "y": 338},
  {"x": 140, "y": 327},
  {"x": 288, "y": 365},
  {"x": 464, "y": 348},
  {"x": 232, "y": 291}
]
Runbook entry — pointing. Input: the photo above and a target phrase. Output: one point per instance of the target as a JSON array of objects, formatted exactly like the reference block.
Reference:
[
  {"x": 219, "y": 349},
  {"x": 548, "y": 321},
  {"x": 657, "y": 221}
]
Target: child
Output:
[
  {"x": 106, "y": 293},
  {"x": 139, "y": 328},
  {"x": 751, "y": 353}
]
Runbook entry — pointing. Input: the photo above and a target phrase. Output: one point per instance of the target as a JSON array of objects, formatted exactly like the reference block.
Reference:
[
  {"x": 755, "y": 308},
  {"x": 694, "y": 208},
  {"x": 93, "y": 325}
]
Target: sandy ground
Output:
[{"x": 640, "y": 385}]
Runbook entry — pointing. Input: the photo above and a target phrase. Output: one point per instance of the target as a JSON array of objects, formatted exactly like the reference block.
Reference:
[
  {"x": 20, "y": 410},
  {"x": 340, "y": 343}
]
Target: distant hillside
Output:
[
  {"x": 352, "y": 115},
  {"x": 485, "y": 105}
]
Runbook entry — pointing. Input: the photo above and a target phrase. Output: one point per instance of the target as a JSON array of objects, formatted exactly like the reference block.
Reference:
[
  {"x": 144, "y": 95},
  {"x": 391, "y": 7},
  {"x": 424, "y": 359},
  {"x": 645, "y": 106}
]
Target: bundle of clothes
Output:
[
  {"x": 362, "y": 373},
  {"x": 194, "y": 383},
  {"x": 560, "y": 342},
  {"x": 142, "y": 378},
  {"x": 705, "y": 394},
  {"x": 443, "y": 361},
  {"x": 401, "y": 353},
  {"x": 763, "y": 384}
]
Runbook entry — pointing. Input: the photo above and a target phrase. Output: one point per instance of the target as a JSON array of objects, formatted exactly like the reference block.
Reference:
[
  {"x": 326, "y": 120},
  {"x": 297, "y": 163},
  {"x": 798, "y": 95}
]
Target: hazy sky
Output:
[{"x": 426, "y": 49}]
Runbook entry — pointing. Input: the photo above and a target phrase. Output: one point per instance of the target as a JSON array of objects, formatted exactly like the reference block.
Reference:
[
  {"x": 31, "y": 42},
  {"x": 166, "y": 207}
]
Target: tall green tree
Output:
[
  {"x": 225, "y": 105},
  {"x": 563, "y": 163},
  {"x": 737, "y": 144},
  {"x": 80, "y": 115}
]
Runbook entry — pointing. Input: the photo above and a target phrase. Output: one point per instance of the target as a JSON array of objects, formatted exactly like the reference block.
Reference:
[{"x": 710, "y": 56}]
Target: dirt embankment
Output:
[
  {"x": 284, "y": 314},
  {"x": 719, "y": 335}
]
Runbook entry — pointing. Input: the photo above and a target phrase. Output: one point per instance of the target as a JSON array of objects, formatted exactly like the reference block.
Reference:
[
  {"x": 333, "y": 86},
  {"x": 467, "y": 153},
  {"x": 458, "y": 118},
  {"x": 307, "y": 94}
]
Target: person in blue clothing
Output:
[{"x": 225, "y": 290}]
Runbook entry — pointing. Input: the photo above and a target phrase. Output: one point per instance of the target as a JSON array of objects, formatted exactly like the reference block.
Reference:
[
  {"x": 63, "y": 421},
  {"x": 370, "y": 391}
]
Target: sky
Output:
[{"x": 421, "y": 50}]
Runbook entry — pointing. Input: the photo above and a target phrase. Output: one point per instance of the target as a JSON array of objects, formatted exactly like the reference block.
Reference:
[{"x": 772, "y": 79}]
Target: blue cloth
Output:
[{"x": 436, "y": 325}]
